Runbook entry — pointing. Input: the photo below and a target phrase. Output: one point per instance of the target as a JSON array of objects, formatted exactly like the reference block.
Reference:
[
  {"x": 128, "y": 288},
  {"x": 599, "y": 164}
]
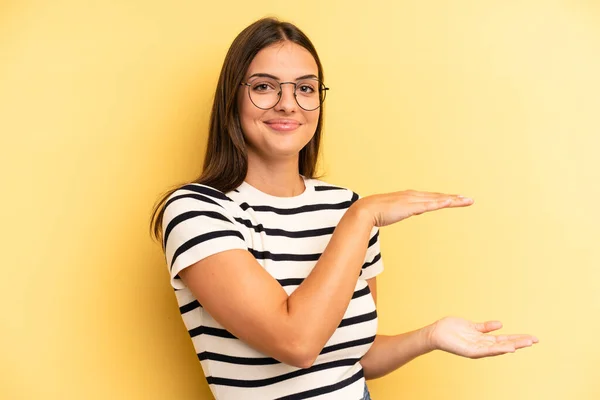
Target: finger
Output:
[
  {"x": 534, "y": 339},
  {"x": 496, "y": 349},
  {"x": 503, "y": 338},
  {"x": 488, "y": 326},
  {"x": 523, "y": 342},
  {"x": 428, "y": 206},
  {"x": 462, "y": 201},
  {"x": 421, "y": 207},
  {"x": 453, "y": 201},
  {"x": 520, "y": 341},
  {"x": 424, "y": 196},
  {"x": 417, "y": 193}
]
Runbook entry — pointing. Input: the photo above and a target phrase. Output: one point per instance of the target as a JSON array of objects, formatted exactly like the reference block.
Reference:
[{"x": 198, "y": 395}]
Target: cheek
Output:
[
  {"x": 250, "y": 118},
  {"x": 246, "y": 112},
  {"x": 313, "y": 120}
]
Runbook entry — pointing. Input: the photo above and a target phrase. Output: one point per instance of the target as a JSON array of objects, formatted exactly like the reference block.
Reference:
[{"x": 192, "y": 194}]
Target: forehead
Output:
[{"x": 284, "y": 60}]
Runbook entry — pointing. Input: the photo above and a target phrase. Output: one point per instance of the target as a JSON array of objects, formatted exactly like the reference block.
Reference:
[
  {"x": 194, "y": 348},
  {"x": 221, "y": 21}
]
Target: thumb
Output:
[{"x": 488, "y": 326}]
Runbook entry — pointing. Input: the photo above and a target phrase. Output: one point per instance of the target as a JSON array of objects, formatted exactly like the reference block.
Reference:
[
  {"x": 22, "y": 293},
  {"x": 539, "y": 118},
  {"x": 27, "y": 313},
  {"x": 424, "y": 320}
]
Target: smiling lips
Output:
[{"x": 282, "y": 125}]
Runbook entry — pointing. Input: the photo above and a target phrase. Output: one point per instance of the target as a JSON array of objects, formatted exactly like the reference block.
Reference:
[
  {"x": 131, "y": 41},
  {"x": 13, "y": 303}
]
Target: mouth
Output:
[{"x": 282, "y": 125}]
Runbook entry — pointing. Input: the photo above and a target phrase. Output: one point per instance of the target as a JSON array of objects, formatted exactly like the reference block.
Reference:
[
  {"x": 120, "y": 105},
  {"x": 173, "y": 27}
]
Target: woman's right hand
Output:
[{"x": 389, "y": 208}]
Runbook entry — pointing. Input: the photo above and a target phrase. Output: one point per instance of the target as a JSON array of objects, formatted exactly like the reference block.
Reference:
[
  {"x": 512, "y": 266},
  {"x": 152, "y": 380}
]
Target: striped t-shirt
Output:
[{"x": 286, "y": 235}]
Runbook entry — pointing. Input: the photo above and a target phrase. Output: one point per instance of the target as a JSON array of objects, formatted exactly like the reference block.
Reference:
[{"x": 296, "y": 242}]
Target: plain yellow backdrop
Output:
[{"x": 104, "y": 105}]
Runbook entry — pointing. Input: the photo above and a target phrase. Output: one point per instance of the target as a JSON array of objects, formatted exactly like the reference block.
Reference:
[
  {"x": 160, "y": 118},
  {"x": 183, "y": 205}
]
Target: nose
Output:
[{"x": 287, "y": 102}]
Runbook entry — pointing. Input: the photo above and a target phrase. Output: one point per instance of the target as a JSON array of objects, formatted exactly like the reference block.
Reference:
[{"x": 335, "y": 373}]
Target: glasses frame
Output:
[{"x": 322, "y": 88}]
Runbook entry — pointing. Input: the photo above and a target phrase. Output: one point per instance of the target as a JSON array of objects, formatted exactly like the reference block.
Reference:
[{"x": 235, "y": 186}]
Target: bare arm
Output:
[
  {"x": 450, "y": 334},
  {"x": 250, "y": 304}
]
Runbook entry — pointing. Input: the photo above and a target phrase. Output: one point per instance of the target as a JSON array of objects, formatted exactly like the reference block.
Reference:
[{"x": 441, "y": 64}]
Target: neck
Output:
[{"x": 279, "y": 178}]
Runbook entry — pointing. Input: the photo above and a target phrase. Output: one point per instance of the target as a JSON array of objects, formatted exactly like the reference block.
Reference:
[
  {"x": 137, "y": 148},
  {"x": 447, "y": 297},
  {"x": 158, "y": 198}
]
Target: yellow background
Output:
[{"x": 104, "y": 105}]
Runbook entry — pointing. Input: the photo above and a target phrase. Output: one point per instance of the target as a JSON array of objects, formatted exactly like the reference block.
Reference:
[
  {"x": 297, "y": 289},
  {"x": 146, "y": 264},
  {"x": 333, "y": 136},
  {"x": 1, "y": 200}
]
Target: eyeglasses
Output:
[{"x": 265, "y": 93}]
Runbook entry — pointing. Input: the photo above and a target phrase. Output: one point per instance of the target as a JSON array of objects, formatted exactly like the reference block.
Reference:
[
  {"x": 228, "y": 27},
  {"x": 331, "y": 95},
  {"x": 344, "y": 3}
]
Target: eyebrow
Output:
[{"x": 264, "y": 75}]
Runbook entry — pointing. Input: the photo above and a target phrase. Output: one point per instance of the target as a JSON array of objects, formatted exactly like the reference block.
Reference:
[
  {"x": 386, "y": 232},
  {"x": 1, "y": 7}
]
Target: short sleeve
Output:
[
  {"x": 373, "y": 264},
  {"x": 197, "y": 224}
]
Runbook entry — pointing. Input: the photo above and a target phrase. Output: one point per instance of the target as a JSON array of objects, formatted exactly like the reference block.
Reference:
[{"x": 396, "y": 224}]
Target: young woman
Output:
[{"x": 274, "y": 270}]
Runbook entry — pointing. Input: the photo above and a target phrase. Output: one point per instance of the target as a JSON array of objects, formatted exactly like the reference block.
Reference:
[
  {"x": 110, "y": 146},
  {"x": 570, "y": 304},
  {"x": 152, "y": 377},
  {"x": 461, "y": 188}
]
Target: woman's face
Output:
[{"x": 282, "y": 131}]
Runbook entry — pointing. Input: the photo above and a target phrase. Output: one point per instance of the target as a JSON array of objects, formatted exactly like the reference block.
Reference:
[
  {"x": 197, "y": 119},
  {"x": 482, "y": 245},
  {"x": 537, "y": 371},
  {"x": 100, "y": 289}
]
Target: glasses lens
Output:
[
  {"x": 309, "y": 94},
  {"x": 264, "y": 92}
]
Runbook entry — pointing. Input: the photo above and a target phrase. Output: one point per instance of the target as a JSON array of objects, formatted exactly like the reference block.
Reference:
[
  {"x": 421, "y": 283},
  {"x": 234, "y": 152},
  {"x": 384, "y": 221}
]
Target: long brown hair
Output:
[{"x": 226, "y": 162}]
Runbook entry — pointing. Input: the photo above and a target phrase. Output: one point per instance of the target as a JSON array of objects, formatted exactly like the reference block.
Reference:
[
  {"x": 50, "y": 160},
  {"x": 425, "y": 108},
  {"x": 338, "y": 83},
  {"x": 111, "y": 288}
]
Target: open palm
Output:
[{"x": 468, "y": 339}]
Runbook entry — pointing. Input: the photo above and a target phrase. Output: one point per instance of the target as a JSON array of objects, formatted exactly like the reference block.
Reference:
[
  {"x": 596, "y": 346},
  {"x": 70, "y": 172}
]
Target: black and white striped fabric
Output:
[{"x": 286, "y": 235}]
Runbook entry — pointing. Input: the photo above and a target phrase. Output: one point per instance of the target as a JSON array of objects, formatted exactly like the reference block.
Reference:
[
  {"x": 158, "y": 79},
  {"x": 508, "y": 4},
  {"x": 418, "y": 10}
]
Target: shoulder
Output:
[
  {"x": 195, "y": 211},
  {"x": 195, "y": 197},
  {"x": 200, "y": 192}
]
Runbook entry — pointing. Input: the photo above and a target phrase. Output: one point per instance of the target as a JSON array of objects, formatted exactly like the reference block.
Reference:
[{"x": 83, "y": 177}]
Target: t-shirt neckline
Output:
[{"x": 259, "y": 197}]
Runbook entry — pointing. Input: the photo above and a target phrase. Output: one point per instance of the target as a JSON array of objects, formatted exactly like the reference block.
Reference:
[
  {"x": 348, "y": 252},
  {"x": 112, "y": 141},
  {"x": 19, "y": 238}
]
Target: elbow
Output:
[
  {"x": 298, "y": 344},
  {"x": 301, "y": 353},
  {"x": 303, "y": 360}
]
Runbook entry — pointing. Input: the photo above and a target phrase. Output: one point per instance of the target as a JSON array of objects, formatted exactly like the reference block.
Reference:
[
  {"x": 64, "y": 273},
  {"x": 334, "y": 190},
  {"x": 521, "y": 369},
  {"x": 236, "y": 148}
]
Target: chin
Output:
[
  {"x": 279, "y": 147},
  {"x": 284, "y": 153},
  {"x": 286, "y": 149}
]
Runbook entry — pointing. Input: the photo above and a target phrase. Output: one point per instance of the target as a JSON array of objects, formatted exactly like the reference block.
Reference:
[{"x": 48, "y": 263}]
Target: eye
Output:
[
  {"x": 306, "y": 88},
  {"x": 263, "y": 86}
]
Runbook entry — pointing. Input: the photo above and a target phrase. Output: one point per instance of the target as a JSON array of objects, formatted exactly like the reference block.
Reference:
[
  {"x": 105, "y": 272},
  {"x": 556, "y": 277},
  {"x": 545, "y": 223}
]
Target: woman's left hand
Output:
[{"x": 468, "y": 339}]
